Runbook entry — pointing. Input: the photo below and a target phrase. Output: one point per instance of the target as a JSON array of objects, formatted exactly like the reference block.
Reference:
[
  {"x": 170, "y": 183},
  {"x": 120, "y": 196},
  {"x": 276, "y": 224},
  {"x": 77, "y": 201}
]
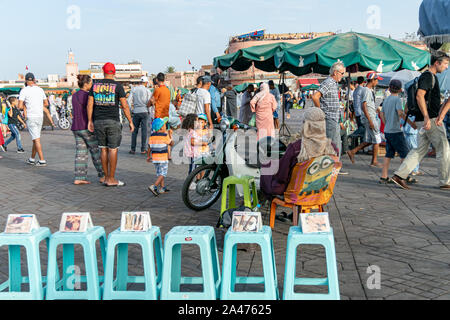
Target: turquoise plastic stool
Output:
[
  {"x": 61, "y": 289},
  {"x": 229, "y": 278},
  {"x": 250, "y": 193},
  {"x": 297, "y": 237},
  {"x": 35, "y": 280},
  {"x": 117, "y": 289},
  {"x": 205, "y": 238}
]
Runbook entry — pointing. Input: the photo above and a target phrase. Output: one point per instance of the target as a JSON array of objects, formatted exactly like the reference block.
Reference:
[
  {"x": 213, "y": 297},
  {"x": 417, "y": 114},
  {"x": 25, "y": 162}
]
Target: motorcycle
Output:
[
  {"x": 203, "y": 187},
  {"x": 64, "y": 118}
]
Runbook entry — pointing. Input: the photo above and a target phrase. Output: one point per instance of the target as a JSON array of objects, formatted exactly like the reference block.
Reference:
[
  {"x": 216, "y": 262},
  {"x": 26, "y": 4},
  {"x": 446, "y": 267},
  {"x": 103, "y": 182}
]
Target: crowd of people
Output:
[{"x": 99, "y": 106}]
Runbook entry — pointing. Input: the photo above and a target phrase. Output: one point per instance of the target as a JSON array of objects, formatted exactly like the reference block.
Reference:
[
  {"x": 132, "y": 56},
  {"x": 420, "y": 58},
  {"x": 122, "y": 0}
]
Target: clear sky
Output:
[{"x": 162, "y": 33}]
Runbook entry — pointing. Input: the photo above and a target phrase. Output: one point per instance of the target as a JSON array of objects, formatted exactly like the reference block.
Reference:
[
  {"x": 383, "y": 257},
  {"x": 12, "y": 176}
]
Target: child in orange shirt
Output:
[{"x": 159, "y": 143}]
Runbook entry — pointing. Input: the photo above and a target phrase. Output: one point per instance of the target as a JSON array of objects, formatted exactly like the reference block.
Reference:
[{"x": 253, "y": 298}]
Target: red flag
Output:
[
  {"x": 190, "y": 62},
  {"x": 256, "y": 33},
  {"x": 26, "y": 68}
]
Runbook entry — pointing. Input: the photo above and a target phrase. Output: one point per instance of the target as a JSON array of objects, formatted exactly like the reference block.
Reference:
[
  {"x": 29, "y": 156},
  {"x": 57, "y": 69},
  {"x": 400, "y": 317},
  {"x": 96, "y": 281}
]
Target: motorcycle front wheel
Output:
[
  {"x": 199, "y": 191},
  {"x": 64, "y": 124}
]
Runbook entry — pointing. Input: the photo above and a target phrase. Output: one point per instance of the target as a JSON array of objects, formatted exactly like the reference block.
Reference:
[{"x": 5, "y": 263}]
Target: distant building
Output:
[
  {"x": 183, "y": 79},
  {"x": 128, "y": 74}
]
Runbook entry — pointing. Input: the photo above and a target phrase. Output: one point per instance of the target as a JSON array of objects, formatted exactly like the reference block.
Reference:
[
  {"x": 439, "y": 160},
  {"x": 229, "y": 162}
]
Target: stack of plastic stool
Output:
[
  {"x": 205, "y": 238},
  {"x": 118, "y": 289},
  {"x": 229, "y": 278},
  {"x": 297, "y": 237},
  {"x": 250, "y": 192},
  {"x": 63, "y": 289},
  {"x": 35, "y": 280}
]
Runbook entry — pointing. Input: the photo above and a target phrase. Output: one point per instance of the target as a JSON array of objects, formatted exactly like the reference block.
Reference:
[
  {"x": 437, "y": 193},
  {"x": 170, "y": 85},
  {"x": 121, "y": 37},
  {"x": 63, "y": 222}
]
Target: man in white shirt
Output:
[
  {"x": 34, "y": 103},
  {"x": 139, "y": 98},
  {"x": 204, "y": 100}
]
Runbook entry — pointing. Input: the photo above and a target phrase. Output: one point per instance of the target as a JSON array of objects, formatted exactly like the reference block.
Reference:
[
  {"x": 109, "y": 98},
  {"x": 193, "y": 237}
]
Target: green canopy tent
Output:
[
  {"x": 358, "y": 51},
  {"x": 10, "y": 91},
  {"x": 242, "y": 87},
  {"x": 261, "y": 57}
]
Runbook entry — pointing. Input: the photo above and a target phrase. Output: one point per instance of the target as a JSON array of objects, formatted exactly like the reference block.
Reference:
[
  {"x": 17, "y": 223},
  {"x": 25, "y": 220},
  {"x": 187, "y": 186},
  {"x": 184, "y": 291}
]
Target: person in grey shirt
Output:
[
  {"x": 246, "y": 114},
  {"x": 230, "y": 96},
  {"x": 369, "y": 120},
  {"x": 357, "y": 103},
  {"x": 139, "y": 98}
]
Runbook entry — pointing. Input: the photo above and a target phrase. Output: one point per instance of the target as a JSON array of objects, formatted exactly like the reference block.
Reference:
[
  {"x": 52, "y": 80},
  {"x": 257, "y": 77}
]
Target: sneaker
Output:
[
  {"x": 21, "y": 151},
  {"x": 400, "y": 182},
  {"x": 163, "y": 190},
  {"x": 193, "y": 186},
  {"x": 5, "y": 149},
  {"x": 41, "y": 163},
  {"x": 31, "y": 161},
  {"x": 154, "y": 190}
]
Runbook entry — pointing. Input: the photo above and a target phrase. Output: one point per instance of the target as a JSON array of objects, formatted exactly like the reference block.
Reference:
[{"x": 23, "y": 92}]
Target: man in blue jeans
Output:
[{"x": 139, "y": 98}]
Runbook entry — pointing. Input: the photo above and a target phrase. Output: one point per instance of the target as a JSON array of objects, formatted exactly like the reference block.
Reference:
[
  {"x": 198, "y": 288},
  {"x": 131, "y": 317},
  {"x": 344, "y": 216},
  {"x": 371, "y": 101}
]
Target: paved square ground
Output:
[{"x": 404, "y": 233}]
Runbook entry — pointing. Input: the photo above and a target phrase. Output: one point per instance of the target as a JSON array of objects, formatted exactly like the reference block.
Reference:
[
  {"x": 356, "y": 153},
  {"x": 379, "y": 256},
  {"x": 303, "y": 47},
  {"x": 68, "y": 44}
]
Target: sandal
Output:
[
  {"x": 411, "y": 180},
  {"x": 120, "y": 184}
]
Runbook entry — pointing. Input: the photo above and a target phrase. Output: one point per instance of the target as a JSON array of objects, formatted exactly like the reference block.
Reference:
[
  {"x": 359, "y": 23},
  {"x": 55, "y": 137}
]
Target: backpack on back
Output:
[
  {"x": 411, "y": 90},
  {"x": 189, "y": 104}
]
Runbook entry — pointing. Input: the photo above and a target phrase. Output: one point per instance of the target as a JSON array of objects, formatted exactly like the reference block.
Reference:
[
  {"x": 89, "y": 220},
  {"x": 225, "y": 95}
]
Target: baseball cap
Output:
[
  {"x": 144, "y": 79},
  {"x": 373, "y": 76},
  {"x": 203, "y": 117},
  {"x": 396, "y": 84},
  {"x": 207, "y": 79},
  {"x": 29, "y": 77},
  {"x": 109, "y": 68},
  {"x": 158, "y": 123}
]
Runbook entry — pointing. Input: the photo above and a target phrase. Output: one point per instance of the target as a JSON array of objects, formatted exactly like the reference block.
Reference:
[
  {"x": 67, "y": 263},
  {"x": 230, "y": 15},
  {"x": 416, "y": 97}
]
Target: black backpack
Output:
[
  {"x": 226, "y": 218},
  {"x": 413, "y": 106}
]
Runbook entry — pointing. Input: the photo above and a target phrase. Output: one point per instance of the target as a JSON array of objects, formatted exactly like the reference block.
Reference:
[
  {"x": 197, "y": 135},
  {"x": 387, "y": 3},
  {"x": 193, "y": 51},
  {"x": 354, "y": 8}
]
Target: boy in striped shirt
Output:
[{"x": 159, "y": 142}]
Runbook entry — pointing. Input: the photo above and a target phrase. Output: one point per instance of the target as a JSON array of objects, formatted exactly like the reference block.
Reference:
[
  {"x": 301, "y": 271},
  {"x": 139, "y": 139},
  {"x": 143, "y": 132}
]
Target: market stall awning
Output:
[
  {"x": 307, "y": 82},
  {"x": 358, "y": 51},
  {"x": 434, "y": 18},
  {"x": 263, "y": 57}
]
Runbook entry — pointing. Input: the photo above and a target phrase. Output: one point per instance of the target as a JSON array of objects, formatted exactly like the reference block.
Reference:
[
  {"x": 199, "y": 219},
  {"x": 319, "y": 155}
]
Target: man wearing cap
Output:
[
  {"x": 139, "y": 98},
  {"x": 369, "y": 120},
  {"x": 105, "y": 99},
  {"x": 204, "y": 100},
  {"x": 33, "y": 101}
]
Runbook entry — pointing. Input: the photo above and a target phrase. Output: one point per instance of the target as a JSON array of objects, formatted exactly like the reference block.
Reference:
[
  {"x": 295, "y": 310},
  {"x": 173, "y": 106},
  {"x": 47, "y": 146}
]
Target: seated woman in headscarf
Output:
[{"x": 311, "y": 142}]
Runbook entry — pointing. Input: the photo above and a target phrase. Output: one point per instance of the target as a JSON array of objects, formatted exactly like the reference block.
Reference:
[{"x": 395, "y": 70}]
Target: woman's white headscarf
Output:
[
  {"x": 314, "y": 138},
  {"x": 264, "y": 90}
]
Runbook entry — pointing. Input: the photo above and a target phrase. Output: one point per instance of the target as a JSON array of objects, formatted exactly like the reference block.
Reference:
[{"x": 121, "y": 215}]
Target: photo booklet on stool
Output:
[
  {"x": 135, "y": 222},
  {"x": 21, "y": 223},
  {"x": 315, "y": 222},
  {"x": 76, "y": 222},
  {"x": 247, "y": 222}
]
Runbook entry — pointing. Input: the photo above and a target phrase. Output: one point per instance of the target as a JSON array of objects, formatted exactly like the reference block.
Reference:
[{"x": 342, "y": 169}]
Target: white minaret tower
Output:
[{"x": 71, "y": 70}]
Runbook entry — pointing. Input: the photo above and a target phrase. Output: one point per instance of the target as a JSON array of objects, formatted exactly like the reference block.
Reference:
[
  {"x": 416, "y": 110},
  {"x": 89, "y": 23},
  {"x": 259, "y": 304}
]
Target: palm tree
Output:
[{"x": 170, "y": 69}]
